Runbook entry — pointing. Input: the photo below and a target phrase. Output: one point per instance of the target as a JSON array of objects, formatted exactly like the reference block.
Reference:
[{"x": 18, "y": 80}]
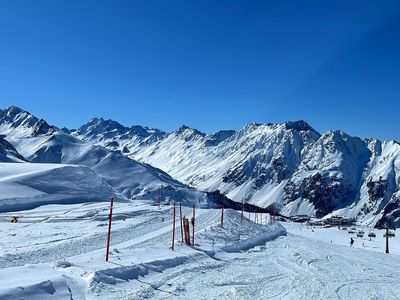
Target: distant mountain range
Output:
[
  {"x": 288, "y": 167},
  {"x": 27, "y": 138}
]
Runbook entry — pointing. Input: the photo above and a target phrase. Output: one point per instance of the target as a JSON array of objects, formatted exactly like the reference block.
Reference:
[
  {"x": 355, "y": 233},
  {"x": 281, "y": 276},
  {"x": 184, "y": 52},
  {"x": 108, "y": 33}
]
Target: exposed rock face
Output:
[{"x": 8, "y": 153}]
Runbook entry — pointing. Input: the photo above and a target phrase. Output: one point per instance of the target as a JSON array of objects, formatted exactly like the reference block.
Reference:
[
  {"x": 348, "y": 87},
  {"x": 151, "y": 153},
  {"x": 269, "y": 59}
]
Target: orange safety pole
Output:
[
  {"x": 180, "y": 214},
  {"x": 193, "y": 220},
  {"x": 173, "y": 229},
  {"x": 109, "y": 228},
  {"x": 222, "y": 217}
]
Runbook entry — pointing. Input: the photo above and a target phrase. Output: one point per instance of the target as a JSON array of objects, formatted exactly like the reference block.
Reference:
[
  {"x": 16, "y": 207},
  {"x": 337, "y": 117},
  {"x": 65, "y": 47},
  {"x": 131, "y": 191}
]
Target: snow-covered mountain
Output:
[
  {"x": 290, "y": 167},
  {"x": 8, "y": 152},
  {"x": 39, "y": 142}
]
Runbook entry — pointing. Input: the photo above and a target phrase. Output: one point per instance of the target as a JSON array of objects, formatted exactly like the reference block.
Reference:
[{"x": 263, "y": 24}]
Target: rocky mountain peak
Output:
[
  {"x": 15, "y": 117},
  {"x": 188, "y": 132}
]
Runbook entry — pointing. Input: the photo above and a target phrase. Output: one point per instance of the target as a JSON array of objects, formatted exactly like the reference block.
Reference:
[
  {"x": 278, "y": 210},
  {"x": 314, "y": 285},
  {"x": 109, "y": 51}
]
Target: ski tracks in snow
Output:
[{"x": 290, "y": 267}]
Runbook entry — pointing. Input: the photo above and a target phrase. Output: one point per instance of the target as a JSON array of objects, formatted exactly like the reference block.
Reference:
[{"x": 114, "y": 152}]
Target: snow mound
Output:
[
  {"x": 127, "y": 273},
  {"x": 38, "y": 282},
  {"x": 236, "y": 236}
]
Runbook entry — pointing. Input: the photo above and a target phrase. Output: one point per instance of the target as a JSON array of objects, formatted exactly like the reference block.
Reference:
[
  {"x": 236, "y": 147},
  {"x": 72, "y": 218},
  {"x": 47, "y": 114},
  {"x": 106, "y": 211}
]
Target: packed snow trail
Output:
[
  {"x": 290, "y": 267},
  {"x": 65, "y": 253},
  {"x": 82, "y": 244}
]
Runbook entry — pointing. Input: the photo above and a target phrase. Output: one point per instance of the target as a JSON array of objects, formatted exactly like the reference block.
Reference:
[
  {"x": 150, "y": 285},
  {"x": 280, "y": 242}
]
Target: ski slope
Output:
[
  {"x": 27, "y": 185},
  {"x": 57, "y": 252}
]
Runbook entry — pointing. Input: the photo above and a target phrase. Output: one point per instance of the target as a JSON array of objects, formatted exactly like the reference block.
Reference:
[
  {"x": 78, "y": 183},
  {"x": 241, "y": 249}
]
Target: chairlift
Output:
[
  {"x": 390, "y": 233},
  {"x": 360, "y": 234},
  {"x": 371, "y": 234}
]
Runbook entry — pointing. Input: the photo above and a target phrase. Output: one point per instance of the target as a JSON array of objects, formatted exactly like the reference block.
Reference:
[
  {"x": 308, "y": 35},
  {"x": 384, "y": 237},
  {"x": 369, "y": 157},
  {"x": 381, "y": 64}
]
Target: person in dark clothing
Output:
[{"x": 351, "y": 242}]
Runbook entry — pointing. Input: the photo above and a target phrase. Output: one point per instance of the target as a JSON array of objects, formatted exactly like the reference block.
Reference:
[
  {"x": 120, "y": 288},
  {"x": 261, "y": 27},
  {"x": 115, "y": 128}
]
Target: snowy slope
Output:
[
  {"x": 57, "y": 252},
  {"x": 288, "y": 166},
  {"x": 39, "y": 142},
  {"x": 27, "y": 185}
]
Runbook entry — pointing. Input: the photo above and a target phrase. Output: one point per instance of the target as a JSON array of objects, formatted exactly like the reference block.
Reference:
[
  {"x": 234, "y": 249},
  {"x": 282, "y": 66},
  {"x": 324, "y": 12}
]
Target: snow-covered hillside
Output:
[
  {"x": 288, "y": 166},
  {"x": 39, "y": 142},
  {"x": 27, "y": 185}
]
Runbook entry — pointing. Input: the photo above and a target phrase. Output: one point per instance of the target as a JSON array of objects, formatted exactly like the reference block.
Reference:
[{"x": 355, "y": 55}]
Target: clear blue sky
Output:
[{"x": 207, "y": 64}]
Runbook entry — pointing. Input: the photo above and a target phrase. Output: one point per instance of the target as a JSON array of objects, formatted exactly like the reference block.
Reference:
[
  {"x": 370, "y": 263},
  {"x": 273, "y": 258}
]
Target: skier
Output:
[{"x": 351, "y": 242}]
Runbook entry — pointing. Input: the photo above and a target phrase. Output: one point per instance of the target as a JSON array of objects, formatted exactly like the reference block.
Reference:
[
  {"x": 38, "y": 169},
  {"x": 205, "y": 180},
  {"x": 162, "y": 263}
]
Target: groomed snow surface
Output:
[{"x": 57, "y": 252}]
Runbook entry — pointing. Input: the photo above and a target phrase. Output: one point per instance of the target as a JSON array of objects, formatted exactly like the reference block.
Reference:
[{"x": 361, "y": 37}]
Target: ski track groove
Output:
[{"x": 80, "y": 246}]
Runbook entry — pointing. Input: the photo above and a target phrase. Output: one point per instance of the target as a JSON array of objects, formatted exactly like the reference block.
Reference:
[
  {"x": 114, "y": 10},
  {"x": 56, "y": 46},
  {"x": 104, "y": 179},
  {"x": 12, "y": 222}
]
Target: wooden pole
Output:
[
  {"x": 173, "y": 229},
  {"x": 109, "y": 229}
]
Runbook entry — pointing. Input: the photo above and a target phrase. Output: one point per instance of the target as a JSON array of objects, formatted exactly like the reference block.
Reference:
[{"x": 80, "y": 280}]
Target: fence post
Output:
[
  {"x": 109, "y": 228},
  {"x": 241, "y": 215},
  {"x": 173, "y": 229},
  {"x": 160, "y": 196},
  {"x": 187, "y": 230},
  {"x": 387, "y": 241},
  {"x": 222, "y": 217},
  {"x": 193, "y": 221},
  {"x": 181, "y": 221}
]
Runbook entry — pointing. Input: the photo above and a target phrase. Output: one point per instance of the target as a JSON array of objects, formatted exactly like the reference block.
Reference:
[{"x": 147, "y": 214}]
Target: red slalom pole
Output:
[
  {"x": 222, "y": 217},
  {"x": 193, "y": 221},
  {"x": 109, "y": 228},
  {"x": 173, "y": 229},
  {"x": 181, "y": 221}
]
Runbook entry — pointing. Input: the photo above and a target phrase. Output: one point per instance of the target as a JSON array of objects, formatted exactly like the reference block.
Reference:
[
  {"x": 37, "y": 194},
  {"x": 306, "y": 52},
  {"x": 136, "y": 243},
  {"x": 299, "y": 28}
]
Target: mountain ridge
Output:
[{"x": 287, "y": 166}]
